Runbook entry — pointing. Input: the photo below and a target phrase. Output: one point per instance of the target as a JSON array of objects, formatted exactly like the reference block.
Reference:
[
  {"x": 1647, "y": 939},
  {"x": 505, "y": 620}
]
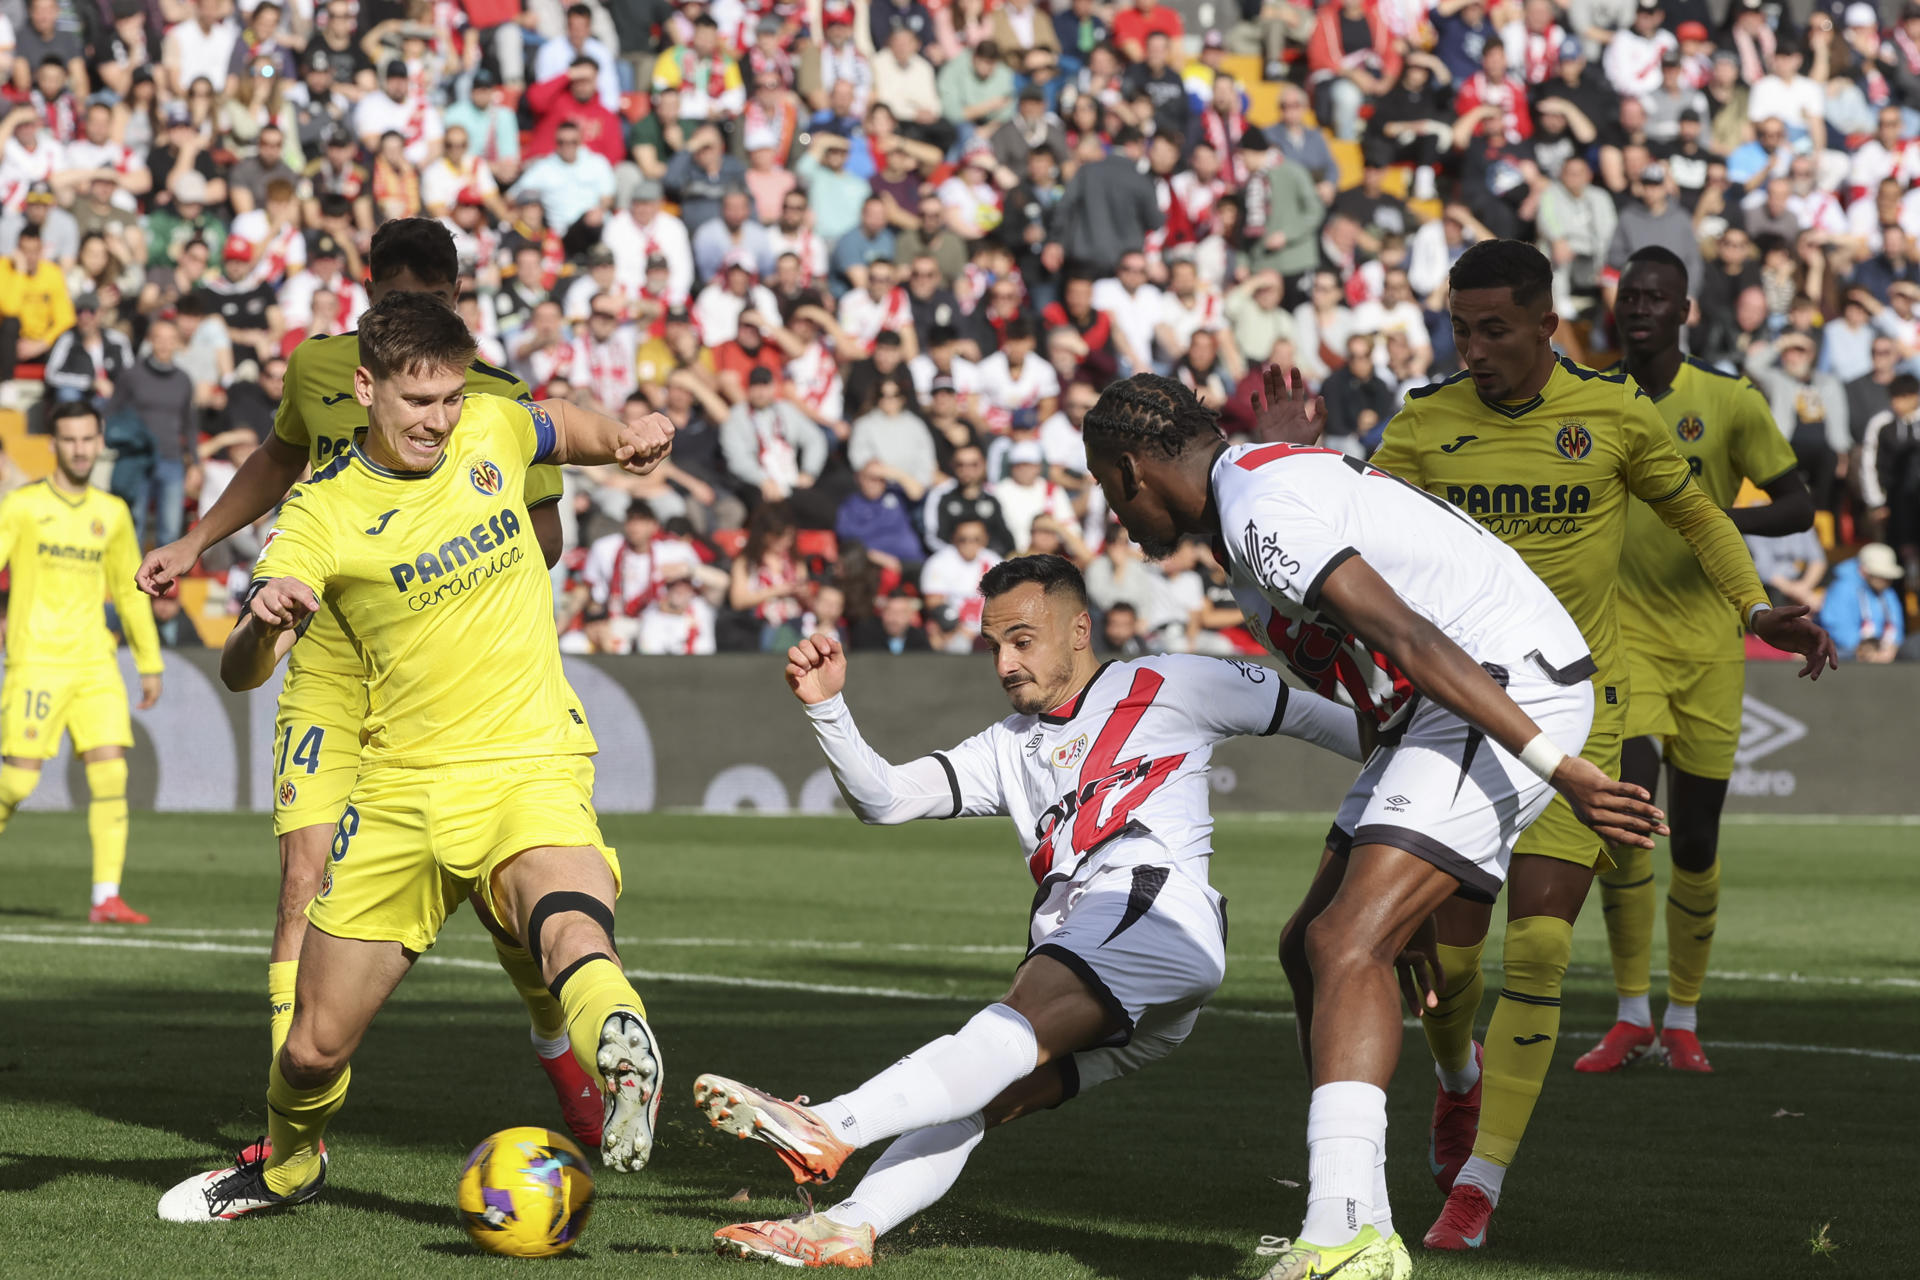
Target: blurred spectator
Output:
[
  {"x": 1108, "y": 208},
  {"x": 1120, "y": 632},
  {"x": 34, "y": 306},
  {"x": 1025, "y": 493},
  {"x": 1862, "y": 609},
  {"x": 176, "y": 630},
  {"x": 896, "y": 629},
  {"x": 87, "y": 360},
  {"x": 892, "y": 435},
  {"x": 965, "y": 498},
  {"x": 878, "y": 514},
  {"x": 573, "y": 184},
  {"x": 1654, "y": 218},
  {"x": 677, "y": 622},
  {"x": 1359, "y": 402},
  {"x": 768, "y": 580},
  {"x": 950, "y": 583},
  {"x": 1809, "y": 407},
  {"x": 154, "y": 400},
  {"x": 573, "y": 98},
  {"x": 1576, "y": 225},
  {"x": 1351, "y": 58},
  {"x": 770, "y": 445},
  {"x": 577, "y": 44},
  {"x": 252, "y": 403},
  {"x": 1890, "y": 469},
  {"x": 700, "y": 176},
  {"x": 1792, "y": 567}
]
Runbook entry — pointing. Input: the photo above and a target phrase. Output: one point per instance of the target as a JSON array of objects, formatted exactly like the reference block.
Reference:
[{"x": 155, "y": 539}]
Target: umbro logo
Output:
[
  {"x": 336, "y": 398},
  {"x": 1397, "y": 800},
  {"x": 1535, "y": 1038},
  {"x": 384, "y": 517},
  {"x": 1765, "y": 730},
  {"x": 1458, "y": 444}
]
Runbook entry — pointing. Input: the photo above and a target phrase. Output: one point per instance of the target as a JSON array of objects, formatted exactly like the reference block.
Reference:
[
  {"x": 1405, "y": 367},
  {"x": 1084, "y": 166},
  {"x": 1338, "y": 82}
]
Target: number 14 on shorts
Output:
[{"x": 307, "y": 754}]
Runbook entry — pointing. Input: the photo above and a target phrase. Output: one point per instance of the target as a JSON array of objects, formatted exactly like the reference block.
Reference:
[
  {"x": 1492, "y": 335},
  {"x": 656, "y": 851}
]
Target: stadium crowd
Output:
[{"x": 876, "y": 260}]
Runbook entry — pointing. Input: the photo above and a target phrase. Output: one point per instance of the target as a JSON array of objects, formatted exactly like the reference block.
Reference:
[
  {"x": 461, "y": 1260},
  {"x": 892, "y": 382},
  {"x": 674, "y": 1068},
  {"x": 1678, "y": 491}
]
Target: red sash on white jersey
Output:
[
  {"x": 777, "y": 456},
  {"x": 1541, "y": 56},
  {"x": 610, "y": 374},
  {"x": 813, "y": 375},
  {"x": 616, "y": 584}
]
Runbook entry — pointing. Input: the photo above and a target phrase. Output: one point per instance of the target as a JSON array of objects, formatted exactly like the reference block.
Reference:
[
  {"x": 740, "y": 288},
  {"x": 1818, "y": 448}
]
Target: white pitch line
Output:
[
  {"x": 1774, "y": 978},
  {"x": 838, "y": 989}
]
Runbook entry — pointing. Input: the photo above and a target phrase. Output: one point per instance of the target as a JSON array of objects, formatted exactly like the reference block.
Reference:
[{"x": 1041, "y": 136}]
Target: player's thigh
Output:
[
  {"x": 518, "y": 835},
  {"x": 1159, "y": 1032},
  {"x": 1707, "y": 719},
  {"x": 341, "y": 985},
  {"x": 316, "y": 749},
  {"x": 1650, "y": 692},
  {"x": 1448, "y": 796},
  {"x": 1139, "y": 938},
  {"x": 96, "y": 712},
  {"x": 33, "y": 711},
  {"x": 381, "y": 882}
]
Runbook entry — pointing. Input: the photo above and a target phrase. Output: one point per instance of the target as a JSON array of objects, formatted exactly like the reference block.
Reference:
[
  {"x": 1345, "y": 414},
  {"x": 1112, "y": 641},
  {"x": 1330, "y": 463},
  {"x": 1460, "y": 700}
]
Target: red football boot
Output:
[
  {"x": 1621, "y": 1047},
  {"x": 115, "y": 911},
  {"x": 1462, "y": 1224},
  {"x": 1456, "y": 1123},
  {"x": 1684, "y": 1052},
  {"x": 579, "y": 1098}
]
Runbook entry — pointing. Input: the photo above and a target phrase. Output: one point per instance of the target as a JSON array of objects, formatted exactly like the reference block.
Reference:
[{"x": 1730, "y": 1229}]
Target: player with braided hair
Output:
[{"x": 1468, "y": 671}]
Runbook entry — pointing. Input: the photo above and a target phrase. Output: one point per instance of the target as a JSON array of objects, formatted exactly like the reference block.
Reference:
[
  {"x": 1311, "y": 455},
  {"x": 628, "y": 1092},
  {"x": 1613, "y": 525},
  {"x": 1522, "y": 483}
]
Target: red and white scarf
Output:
[{"x": 1223, "y": 134}]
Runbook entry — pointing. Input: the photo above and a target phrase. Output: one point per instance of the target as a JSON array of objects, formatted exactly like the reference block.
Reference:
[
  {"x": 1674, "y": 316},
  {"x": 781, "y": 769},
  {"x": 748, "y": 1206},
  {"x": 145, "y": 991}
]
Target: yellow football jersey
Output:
[
  {"x": 1551, "y": 477},
  {"x": 1724, "y": 428},
  {"x": 318, "y": 413},
  {"x": 437, "y": 581},
  {"x": 68, "y": 553}
]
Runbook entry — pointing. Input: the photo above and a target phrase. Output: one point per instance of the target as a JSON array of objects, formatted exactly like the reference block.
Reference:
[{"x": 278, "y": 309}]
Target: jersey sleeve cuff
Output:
[
  {"x": 833, "y": 708},
  {"x": 1311, "y": 599}
]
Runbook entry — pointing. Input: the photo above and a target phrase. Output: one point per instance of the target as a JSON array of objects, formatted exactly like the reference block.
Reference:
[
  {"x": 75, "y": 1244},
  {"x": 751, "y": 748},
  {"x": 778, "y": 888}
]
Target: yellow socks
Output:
[
  {"x": 281, "y": 976},
  {"x": 1526, "y": 1021},
  {"x": 589, "y": 991},
  {"x": 296, "y": 1119},
  {"x": 1626, "y": 896},
  {"x": 1693, "y": 907},
  {"x": 1449, "y": 1028},
  {"x": 543, "y": 1010},
  {"x": 107, "y": 825},
  {"x": 16, "y": 784}
]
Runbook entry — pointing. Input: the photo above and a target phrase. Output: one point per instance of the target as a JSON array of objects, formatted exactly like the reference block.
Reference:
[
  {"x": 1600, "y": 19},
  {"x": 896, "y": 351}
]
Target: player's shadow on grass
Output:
[
  {"x": 37, "y": 913},
  {"x": 20, "y": 1171},
  {"x": 468, "y": 1249}
]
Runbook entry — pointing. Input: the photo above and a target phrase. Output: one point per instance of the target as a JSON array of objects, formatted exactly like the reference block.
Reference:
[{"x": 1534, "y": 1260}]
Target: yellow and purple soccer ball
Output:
[{"x": 526, "y": 1193}]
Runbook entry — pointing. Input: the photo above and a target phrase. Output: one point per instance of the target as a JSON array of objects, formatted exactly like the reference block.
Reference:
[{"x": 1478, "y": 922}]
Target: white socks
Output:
[
  {"x": 549, "y": 1049},
  {"x": 1634, "y": 1009},
  {"x": 1681, "y": 1017},
  {"x": 910, "y": 1175},
  {"x": 104, "y": 889},
  {"x": 1382, "y": 1211},
  {"x": 1484, "y": 1174},
  {"x": 1461, "y": 1081},
  {"x": 950, "y": 1079},
  {"x": 1346, "y": 1134}
]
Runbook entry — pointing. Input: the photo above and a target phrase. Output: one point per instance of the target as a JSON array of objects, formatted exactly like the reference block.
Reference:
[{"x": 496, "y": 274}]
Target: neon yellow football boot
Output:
[{"x": 1368, "y": 1256}]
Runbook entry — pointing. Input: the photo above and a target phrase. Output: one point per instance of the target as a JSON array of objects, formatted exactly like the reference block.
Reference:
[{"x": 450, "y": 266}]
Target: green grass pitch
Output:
[{"x": 803, "y": 955}]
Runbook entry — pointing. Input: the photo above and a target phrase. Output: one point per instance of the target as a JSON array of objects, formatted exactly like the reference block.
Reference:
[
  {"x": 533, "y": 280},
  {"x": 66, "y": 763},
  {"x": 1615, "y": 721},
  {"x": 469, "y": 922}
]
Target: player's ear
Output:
[
  {"x": 1129, "y": 476},
  {"x": 363, "y": 386},
  {"x": 1549, "y": 324},
  {"x": 1082, "y": 631}
]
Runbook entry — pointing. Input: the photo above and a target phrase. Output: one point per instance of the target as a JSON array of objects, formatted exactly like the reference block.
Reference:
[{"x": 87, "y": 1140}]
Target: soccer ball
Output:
[{"x": 525, "y": 1193}]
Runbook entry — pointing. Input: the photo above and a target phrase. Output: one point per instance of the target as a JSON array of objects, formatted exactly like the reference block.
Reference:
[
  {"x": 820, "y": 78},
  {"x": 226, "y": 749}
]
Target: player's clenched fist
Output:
[
  {"x": 816, "y": 669},
  {"x": 1619, "y": 811},
  {"x": 645, "y": 444},
  {"x": 283, "y": 603}
]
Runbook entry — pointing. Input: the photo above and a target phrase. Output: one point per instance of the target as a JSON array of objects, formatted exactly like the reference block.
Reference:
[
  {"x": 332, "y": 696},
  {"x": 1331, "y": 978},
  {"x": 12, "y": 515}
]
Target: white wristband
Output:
[
  {"x": 1755, "y": 612},
  {"x": 1542, "y": 757}
]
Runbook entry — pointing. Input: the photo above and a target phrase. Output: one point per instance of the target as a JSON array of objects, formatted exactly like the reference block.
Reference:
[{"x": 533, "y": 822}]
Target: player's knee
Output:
[
  {"x": 16, "y": 784},
  {"x": 1537, "y": 952},
  {"x": 564, "y": 926},
  {"x": 1337, "y": 945},
  {"x": 308, "y": 1060},
  {"x": 1694, "y": 850}
]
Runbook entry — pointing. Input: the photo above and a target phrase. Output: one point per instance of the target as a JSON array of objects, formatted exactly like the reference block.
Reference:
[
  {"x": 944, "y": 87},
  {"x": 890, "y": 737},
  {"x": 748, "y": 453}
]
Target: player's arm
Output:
[
  {"x": 1235, "y": 698},
  {"x": 879, "y": 792},
  {"x": 287, "y": 582},
  {"x": 1660, "y": 477},
  {"x": 1760, "y": 450},
  {"x": 136, "y": 612},
  {"x": 1788, "y": 511},
  {"x": 1366, "y": 606},
  {"x": 262, "y": 480},
  {"x": 567, "y": 435}
]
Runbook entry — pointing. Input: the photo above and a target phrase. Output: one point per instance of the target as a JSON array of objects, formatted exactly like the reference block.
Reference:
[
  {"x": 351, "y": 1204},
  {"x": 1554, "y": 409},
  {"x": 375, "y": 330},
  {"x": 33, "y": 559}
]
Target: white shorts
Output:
[
  {"x": 1445, "y": 794},
  {"x": 1150, "y": 940}
]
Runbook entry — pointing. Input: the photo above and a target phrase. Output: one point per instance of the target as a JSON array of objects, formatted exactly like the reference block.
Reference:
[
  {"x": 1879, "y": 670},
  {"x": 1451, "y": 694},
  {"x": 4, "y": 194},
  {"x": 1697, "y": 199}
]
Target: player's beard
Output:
[{"x": 1156, "y": 548}]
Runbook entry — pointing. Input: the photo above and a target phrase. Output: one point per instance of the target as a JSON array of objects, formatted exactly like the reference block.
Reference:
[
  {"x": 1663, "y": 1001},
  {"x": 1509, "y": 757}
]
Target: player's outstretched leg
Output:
[
  {"x": 1693, "y": 910},
  {"x": 1627, "y": 899},
  {"x": 560, "y": 901},
  {"x": 107, "y": 831},
  {"x": 343, "y": 983},
  {"x": 1049, "y": 1013}
]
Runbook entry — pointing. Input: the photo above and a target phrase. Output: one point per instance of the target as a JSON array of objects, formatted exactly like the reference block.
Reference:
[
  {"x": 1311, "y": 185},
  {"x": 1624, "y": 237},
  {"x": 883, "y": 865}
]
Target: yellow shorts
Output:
[
  {"x": 38, "y": 704},
  {"x": 411, "y": 843},
  {"x": 1557, "y": 833},
  {"x": 1693, "y": 708},
  {"x": 316, "y": 748}
]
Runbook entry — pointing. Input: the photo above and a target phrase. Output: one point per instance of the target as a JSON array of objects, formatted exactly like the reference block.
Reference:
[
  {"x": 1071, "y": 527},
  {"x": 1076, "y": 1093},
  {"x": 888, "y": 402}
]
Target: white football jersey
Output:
[
  {"x": 1128, "y": 756},
  {"x": 1290, "y": 516}
]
